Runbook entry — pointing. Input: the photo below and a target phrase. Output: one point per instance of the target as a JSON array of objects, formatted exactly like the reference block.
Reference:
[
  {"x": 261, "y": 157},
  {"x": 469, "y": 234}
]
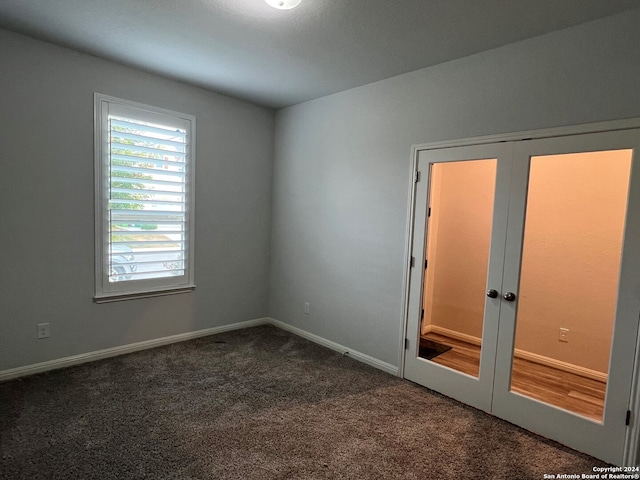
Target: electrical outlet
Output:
[
  {"x": 563, "y": 336},
  {"x": 307, "y": 309},
  {"x": 44, "y": 330}
]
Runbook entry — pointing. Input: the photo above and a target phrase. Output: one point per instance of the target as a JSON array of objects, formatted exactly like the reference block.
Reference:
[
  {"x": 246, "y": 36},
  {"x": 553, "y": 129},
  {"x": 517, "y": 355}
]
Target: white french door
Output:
[
  {"x": 475, "y": 389},
  {"x": 524, "y": 295}
]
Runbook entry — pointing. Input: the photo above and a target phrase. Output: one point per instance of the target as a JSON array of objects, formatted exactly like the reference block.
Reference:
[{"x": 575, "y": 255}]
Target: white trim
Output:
[
  {"x": 104, "y": 290},
  {"x": 625, "y": 124},
  {"x": 124, "y": 349},
  {"x": 631, "y": 453},
  {"x": 361, "y": 357},
  {"x": 158, "y": 342},
  {"x": 524, "y": 355},
  {"x": 159, "y": 292},
  {"x": 408, "y": 253},
  {"x": 462, "y": 337},
  {"x": 563, "y": 366}
]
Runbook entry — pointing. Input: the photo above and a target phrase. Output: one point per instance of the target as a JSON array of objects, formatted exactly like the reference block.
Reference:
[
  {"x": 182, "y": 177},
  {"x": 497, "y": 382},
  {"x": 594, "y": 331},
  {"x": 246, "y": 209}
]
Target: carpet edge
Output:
[
  {"x": 361, "y": 357},
  {"x": 72, "y": 360},
  {"x": 79, "y": 359}
]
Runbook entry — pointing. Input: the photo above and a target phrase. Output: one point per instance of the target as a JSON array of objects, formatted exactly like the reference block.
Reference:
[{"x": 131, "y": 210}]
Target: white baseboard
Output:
[
  {"x": 157, "y": 342},
  {"x": 374, "y": 362},
  {"x": 559, "y": 365},
  {"x": 115, "y": 351},
  {"x": 463, "y": 337},
  {"x": 523, "y": 354}
]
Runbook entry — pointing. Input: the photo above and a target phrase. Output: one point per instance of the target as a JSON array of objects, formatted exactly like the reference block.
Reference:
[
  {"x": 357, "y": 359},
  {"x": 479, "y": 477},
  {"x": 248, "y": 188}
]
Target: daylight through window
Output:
[{"x": 145, "y": 164}]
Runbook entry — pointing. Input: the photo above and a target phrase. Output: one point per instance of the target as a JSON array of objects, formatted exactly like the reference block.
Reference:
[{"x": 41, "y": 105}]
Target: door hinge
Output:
[
  {"x": 425, "y": 264},
  {"x": 422, "y": 315},
  {"x": 406, "y": 344},
  {"x": 412, "y": 263},
  {"x": 416, "y": 178},
  {"x": 627, "y": 420},
  {"x": 429, "y": 212}
]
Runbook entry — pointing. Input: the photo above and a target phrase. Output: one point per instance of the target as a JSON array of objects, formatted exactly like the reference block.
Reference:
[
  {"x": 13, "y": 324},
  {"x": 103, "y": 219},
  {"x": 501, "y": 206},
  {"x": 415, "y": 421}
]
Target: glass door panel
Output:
[
  {"x": 551, "y": 345},
  {"x": 570, "y": 308},
  {"x": 459, "y": 227},
  {"x": 573, "y": 235},
  {"x": 458, "y": 246}
]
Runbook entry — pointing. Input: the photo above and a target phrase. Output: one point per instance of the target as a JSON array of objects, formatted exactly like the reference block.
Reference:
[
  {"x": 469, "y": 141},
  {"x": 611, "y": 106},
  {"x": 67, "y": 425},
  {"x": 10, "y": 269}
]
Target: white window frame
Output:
[{"x": 106, "y": 291}]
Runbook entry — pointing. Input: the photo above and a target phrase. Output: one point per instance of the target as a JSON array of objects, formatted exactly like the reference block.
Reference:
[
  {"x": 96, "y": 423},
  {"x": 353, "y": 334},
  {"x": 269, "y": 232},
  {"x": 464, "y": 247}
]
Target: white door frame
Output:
[{"x": 631, "y": 455}]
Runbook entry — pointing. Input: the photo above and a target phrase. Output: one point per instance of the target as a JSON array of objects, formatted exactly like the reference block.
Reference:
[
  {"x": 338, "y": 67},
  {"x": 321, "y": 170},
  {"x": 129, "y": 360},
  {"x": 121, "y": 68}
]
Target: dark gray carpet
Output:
[{"x": 258, "y": 403}]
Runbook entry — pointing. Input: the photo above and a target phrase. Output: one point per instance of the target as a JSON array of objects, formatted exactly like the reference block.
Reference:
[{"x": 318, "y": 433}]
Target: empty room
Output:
[{"x": 300, "y": 239}]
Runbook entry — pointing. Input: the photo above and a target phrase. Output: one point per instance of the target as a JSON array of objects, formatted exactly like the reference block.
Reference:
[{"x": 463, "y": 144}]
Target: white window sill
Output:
[{"x": 120, "y": 297}]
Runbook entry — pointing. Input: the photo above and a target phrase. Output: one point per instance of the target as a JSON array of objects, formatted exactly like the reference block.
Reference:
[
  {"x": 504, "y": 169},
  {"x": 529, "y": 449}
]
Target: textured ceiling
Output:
[{"x": 277, "y": 58}]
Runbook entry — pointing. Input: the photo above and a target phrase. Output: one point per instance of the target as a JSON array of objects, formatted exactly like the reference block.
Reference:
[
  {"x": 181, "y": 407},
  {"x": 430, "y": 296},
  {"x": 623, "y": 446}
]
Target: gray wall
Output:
[
  {"x": 342, "y": 165},
  {"x": 340, "y": 186},
  {"x": 47, "y": 197}
]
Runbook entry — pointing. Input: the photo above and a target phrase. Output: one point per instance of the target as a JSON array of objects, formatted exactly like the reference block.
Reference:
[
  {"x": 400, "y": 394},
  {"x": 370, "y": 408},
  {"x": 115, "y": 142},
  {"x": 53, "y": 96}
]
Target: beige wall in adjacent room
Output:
[
  {"x": 461, "y": 202},
  {"x": 571, "y": 256}
]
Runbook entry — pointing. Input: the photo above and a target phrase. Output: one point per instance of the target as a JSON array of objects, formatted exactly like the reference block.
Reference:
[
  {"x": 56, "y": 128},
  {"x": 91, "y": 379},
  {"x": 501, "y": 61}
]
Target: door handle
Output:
[
  {"x": 509, "y": 296},
  {"x": 492, "y": 293}
]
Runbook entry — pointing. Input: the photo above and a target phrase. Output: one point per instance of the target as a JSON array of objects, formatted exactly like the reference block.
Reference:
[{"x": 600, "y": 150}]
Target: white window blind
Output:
[{"x": 145, "y": 199}]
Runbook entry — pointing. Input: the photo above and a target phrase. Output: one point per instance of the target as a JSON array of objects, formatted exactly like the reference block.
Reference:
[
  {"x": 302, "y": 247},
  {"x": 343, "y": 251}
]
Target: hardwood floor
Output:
[{"x": 565, "y": 390}]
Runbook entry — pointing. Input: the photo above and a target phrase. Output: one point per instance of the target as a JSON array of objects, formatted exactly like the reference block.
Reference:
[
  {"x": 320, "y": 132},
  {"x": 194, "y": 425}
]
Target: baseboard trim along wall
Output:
[
  {"x": 158, "y": 342},
  {"x": 532, "y": 357},
  {"x": 124, "y": 349},
  {"x": 374, "y": 362}
]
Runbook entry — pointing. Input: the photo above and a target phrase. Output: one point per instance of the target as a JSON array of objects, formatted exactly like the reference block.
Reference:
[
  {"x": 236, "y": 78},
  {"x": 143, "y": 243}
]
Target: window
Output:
[{"x": 144, "y": 163}]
